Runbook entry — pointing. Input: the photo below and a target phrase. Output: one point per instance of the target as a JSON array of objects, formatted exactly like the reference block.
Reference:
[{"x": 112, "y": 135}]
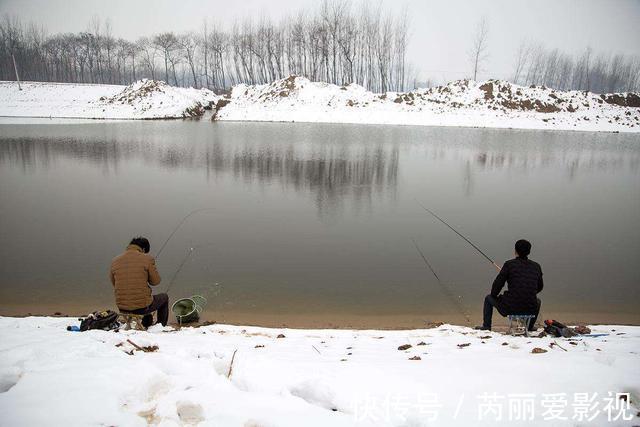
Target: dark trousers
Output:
[
  {"x": 161, "y": 305},
  {"x": 490, "y": 302}
]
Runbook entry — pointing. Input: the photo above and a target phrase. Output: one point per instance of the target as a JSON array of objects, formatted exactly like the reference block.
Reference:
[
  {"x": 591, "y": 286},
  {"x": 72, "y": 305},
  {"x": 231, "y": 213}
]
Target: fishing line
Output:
[
  {"x": 190, "y": 252},
  {"x": 445, "y": 289},
  {"x": 184, "y": 260},
  {"x": 186, "y": 217},
  {"x": 463, "y": 237}
]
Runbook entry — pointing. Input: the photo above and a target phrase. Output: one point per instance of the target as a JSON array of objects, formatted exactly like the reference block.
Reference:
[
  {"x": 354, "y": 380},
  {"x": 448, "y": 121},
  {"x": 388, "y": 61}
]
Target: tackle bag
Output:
[
  {"x": 105, "y": 320},
  {"x": 557, "y": 329}
]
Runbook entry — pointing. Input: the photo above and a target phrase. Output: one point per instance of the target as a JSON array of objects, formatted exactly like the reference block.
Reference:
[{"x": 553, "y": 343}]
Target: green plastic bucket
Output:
[{"x": 187, "y": 310}]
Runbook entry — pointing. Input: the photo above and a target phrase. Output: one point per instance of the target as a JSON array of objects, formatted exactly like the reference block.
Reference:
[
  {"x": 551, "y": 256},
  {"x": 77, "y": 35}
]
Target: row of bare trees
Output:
[
  {"x": 536, "y": 65},
  {"x": 336, "y": 43}
]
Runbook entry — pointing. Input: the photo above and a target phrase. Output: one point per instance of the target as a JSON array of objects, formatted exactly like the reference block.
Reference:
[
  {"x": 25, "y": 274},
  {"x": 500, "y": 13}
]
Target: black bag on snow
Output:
[
  {"x": 105, "y": 320},
  {"x": 557, "y": 329}
]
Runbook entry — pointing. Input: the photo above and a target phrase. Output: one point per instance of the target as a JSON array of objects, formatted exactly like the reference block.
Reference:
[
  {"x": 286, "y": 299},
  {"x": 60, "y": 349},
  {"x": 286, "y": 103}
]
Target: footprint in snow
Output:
[{"x": 189, "y": 412}]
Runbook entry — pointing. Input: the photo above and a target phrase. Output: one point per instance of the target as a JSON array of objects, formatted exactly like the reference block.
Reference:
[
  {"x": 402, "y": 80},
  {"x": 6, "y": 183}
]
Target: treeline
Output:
[
  {"x": 537, "y": 65},
  {"x": 336, "y": 43},
  {"x": 339, "y": 42}
]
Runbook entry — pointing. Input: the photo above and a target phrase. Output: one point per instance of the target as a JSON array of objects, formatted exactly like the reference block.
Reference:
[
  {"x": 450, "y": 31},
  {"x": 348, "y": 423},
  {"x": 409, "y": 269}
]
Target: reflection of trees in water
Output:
[
  {"x": 574, "y": 162},
  {"x": 332, "y": 175},
  {"x": 332, "y": 178}
]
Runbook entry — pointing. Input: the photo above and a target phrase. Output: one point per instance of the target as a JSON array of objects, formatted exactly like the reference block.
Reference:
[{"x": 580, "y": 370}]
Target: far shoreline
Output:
[
  {"x": 490, "y": 104},
  {"x": 7, "y": 120}
]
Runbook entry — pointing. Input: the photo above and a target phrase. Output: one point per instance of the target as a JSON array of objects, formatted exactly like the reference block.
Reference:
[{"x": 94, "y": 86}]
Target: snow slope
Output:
[
  {"x": 49, "y": 376},
  {"x": 144, "y": 99},
  {"x": 494, "y": 103}
]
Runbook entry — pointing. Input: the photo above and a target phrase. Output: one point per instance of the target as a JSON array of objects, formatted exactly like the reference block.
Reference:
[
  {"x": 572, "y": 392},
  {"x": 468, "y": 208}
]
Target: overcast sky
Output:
[{"x": 441, "y": 30}]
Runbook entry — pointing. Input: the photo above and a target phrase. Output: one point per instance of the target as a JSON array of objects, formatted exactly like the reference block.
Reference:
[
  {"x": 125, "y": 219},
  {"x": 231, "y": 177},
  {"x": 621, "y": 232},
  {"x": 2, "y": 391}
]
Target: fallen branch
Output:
[
  {"x": 135, "y": 345},
  {"x": 231, "y": 364},
  {"x": 559, "y": 346},
  {"x": 147, "y": 349}
]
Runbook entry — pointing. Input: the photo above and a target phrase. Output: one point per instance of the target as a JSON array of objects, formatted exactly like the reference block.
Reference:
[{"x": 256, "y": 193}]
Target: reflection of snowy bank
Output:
[
  {"x": 49, "y": 376},
  {"x": 494, "y": 103},
  {"x": 145, "y": 99}
]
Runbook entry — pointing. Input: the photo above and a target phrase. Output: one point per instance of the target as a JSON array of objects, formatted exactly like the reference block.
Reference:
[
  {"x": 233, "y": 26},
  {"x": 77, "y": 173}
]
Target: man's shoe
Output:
[{"x": 482, "y": 328}]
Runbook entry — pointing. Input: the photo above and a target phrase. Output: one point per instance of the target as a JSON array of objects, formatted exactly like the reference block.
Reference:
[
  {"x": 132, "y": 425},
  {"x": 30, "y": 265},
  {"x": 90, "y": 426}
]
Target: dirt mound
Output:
[
  {"x": 622, "y": 99},
  {"x": 149, "y": 95},
  {"x": 280, "y": 88},
  {"x": 134, "y": 92},
  {"x": 488, "y": 90},
  {"x": 502, "y": 94}
]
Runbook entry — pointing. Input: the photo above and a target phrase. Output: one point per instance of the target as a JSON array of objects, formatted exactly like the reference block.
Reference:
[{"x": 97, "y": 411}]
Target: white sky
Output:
[{"x": 441, "y": 30}]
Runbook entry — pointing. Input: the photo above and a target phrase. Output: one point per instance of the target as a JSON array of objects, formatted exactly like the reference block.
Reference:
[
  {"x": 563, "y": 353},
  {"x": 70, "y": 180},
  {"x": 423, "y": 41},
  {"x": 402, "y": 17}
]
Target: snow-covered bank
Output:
[
  {"x": 144, "y": 99},
  {"x": 450, "y": 375},
  {"x": 491, "y": 104},
  {"x": 496, "y": 104}
]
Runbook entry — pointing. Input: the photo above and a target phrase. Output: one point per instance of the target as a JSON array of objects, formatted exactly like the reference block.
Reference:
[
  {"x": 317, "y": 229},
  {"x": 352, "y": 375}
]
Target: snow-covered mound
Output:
[
  {"x": 153, "y": 95},
  {"x": 493, "y": 103},
  {"x": 144, "y": 99},
  {"x": 248, "y": 376}
]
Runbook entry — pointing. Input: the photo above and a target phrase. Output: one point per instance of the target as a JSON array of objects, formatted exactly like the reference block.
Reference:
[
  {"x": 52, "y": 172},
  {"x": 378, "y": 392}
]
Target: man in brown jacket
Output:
[{"x": 131, "y": 275}]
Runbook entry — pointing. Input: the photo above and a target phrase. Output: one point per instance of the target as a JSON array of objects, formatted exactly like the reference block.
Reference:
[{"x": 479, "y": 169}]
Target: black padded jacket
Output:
[{"x": 524, "y": 278}]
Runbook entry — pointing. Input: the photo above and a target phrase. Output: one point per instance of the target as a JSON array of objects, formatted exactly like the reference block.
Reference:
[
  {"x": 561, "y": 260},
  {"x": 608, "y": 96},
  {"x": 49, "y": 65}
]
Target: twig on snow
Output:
[
  {"x": 231, "y": 364},
  {"x": 560, "y": 346},
  {"x": 135, "y": 345}
]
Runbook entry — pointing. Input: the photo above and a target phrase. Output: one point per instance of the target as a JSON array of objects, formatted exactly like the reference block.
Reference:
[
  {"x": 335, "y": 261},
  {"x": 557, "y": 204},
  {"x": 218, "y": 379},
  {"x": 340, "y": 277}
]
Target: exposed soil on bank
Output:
[{"x": 336, "y": 320}]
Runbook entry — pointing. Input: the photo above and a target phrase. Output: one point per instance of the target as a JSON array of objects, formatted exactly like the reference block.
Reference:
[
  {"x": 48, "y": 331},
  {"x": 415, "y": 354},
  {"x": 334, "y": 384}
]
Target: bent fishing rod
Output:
[
  {"x": 458, "y": 233},
  {"x": 445, "y": 289}
]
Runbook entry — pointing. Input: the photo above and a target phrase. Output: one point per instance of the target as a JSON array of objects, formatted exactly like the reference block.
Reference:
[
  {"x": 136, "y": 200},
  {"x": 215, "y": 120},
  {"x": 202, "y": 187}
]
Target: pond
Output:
[{"x": 314, "y": 224}]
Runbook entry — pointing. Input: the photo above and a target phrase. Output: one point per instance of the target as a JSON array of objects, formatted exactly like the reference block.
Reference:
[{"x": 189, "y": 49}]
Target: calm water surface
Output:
[{"x": 316, "y": 220}]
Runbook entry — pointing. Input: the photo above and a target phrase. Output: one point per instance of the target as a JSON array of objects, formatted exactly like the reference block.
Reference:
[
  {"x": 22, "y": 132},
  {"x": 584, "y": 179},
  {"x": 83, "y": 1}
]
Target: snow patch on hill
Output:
[
  {"x": 493, "y": 103},
  {"x": 154, "y": 96},
  {"x": 144, "y": 99}
]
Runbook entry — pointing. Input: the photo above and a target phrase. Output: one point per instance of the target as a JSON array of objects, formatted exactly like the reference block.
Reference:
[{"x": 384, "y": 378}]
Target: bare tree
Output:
[
  {"x": 522, "y": 58},
  {"x": 478, "y": 53},
  {"x": 204, "y": 41},
  {"x": 148, "y": 53},
  {"x": 167, "y": 44},
  {"x": 189, "y": 43}
]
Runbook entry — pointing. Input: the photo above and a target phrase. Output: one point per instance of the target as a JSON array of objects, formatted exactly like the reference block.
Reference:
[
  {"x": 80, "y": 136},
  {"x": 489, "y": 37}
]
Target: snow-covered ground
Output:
[
  {"x": 494, "y": 103},
  {"x": 144, "y": 99},
  {"x": 49, "y": 376}
]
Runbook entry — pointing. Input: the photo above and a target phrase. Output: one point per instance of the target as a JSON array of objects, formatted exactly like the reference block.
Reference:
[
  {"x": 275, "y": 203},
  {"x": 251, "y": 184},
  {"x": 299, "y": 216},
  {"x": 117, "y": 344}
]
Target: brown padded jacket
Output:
[{"x": 131, "y": 274}]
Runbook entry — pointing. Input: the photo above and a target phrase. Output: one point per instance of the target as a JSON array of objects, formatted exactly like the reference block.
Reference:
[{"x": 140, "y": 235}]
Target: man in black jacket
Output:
[{"x": 524, "y": 278}]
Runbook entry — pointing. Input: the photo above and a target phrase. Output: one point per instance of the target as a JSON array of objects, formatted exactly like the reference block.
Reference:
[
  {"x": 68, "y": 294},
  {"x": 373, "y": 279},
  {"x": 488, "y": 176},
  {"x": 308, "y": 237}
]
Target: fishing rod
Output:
[
  {"x": 445, "y": 289},
  {"x": 425, "y": 260},
  {"x": 463, "y": 237},
  {"x": 184, "y": 219}
]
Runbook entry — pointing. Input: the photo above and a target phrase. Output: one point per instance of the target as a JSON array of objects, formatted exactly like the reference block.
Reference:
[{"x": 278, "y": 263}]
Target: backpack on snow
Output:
[
  {"x": 105, "y": 320},
  {"x": 557, "y": 329}
]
